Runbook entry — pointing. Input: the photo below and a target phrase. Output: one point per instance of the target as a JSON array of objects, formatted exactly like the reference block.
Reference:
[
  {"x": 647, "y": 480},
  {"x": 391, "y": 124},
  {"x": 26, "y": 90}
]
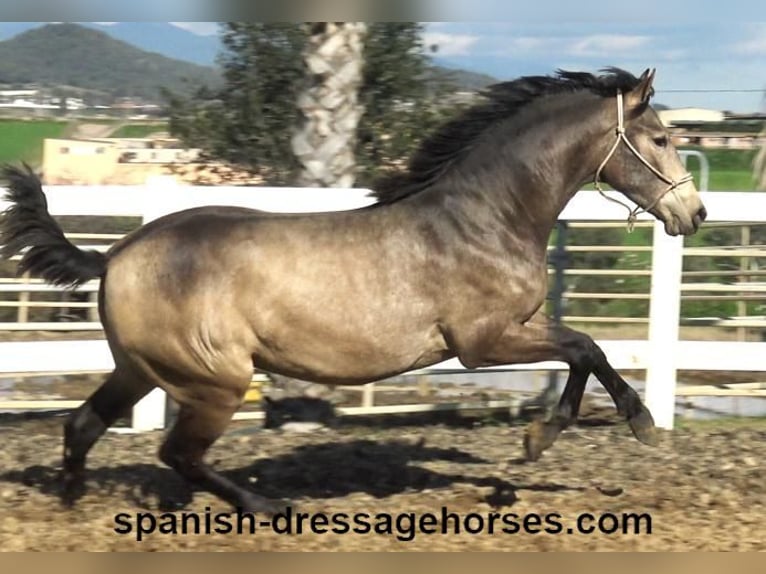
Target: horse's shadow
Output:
[{"x": 317, "y": 471}]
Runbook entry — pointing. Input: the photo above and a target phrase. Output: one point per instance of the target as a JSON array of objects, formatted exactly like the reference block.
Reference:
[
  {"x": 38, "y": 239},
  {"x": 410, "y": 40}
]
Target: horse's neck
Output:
[{"x": 534, "y": 176}]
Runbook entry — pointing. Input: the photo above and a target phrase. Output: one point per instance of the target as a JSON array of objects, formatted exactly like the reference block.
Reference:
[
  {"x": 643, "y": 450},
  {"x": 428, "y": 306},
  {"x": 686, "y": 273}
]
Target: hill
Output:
[
  {"x": 159, "y": 37},
  {"x": 73, "y": 55},
  {"x": 164, "y": 38},
  {"x": 463, "y": 79},
  {"x": 177, "y": 44}
]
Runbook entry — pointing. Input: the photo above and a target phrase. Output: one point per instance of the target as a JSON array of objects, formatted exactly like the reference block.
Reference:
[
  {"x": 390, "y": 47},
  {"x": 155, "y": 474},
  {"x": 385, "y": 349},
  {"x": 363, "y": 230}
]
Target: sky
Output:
[
  {"x": 199, "y": 28},
  {"x": 716, "y": 60},
  {"x": 713, "y": 62},
  {"x": 720, "y": 65}
]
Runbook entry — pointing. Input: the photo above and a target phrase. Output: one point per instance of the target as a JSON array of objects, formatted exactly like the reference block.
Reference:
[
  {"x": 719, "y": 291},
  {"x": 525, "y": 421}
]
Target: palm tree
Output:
[{"x": 324, "y": 144}]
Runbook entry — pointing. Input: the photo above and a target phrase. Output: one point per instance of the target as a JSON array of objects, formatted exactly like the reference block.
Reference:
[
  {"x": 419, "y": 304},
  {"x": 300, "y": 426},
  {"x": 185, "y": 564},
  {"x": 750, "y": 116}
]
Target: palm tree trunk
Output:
[{"x": 325, "y": 143}]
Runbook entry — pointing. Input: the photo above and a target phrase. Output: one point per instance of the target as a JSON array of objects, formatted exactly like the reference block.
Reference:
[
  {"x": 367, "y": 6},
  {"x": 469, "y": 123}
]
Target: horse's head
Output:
[{"x": 643, "y": 164}]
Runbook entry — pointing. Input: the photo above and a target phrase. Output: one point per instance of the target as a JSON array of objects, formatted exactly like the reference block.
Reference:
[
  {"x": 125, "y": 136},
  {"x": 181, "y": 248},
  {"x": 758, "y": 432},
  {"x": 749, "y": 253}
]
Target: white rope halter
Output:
[{"x": 672, "y": 184}]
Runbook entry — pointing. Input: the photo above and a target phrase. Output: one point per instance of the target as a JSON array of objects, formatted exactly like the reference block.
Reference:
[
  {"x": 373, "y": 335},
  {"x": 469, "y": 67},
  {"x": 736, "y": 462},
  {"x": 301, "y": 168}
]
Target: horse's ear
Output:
[{"x": 640, "y": 95}]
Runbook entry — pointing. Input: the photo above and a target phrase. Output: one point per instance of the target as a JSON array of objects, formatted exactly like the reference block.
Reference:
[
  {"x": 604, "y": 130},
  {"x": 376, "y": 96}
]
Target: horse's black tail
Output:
[{"x": 27, "y": 223}]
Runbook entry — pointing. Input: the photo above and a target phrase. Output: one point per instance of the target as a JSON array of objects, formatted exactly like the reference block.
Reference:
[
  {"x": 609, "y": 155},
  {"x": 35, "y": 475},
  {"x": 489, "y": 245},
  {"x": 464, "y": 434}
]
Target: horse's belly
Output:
[{"x": 330, "y": 358}]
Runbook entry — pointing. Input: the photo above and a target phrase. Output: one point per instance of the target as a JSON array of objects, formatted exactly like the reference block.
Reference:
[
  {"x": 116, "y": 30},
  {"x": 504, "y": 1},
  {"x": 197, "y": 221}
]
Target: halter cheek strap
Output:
[{"x": 621, "y": 137}]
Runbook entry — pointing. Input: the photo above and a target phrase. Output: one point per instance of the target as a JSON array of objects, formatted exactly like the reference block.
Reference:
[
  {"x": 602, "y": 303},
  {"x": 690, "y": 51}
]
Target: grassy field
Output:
[
  {"x": 139, "y": 130},
  {"x": 730, "y": 170},
  {"x": 23, "y": 140}
]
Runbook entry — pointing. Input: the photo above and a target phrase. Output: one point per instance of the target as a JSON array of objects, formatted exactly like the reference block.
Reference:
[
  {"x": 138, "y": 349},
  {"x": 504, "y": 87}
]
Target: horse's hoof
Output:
[
  {"x": 538, "y": 437},
  {"x": 643, "y": 427},
  {"x": 71, "y": 493}
]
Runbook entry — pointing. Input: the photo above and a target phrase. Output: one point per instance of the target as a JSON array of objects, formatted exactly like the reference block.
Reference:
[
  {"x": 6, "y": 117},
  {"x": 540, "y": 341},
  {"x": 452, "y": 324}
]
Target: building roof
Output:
[{"x": 677, "y": 116}]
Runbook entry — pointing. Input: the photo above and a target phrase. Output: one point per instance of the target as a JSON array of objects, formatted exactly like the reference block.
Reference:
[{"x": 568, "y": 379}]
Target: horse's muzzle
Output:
[{"x": 699, "y": 217}]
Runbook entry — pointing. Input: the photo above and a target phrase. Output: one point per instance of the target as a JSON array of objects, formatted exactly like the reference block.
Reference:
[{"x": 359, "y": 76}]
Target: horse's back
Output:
[{"x": 180, "y": 223}]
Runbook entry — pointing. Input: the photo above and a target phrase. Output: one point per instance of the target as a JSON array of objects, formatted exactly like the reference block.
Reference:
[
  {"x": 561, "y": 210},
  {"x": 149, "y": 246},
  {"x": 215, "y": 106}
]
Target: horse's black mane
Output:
[{"x": 449, "y": 142}]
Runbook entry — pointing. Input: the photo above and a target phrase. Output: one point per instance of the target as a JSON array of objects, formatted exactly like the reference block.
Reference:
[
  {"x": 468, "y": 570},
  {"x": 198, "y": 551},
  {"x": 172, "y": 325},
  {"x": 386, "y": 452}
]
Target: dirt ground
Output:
[{"x": 703, "y": 487}]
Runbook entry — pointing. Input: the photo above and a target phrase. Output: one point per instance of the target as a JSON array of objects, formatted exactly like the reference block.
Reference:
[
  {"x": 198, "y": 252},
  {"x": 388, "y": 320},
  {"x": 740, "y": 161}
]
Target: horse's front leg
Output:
[{"x": 539, "y": 340}]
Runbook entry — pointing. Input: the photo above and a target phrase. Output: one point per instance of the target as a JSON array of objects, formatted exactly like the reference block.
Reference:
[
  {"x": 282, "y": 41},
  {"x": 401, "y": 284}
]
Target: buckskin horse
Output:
[{"x": 450, "y": 261}]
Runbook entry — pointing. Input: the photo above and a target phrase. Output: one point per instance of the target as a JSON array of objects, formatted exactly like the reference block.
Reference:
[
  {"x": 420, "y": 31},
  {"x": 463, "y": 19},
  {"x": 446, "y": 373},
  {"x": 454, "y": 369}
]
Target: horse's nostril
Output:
[{"x": 702, "y": 213}]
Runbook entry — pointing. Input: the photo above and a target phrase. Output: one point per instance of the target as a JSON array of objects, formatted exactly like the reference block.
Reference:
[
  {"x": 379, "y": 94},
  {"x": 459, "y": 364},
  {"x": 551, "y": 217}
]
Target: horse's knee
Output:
[
  {"x": 595, "y": 353},
  {"x": 583, "y": 352},
  {"x": 589, "y": 349}
]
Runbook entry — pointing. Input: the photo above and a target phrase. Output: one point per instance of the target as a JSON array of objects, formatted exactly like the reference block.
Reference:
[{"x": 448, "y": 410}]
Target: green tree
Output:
[
  {"x": 252, "y": 119},
  {"x": 249, "y": 121},
  {"x": 403, "y": 97}
]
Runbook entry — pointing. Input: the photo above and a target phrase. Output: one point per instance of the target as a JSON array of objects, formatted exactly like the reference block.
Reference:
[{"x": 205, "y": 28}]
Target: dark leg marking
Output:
[
  {"x": 86, "y": 425},
  {"x": 195, "y": 430},
  {"x": 584, "y": 356}
]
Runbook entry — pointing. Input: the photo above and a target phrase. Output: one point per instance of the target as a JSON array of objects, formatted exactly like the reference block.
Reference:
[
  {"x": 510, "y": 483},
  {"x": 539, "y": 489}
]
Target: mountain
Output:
[
  {"x": 173, "y": 42},
  {"x": 75, "y": 55},
  {"x": 102, "y": 59},
  {"x": 166, "y": 39},
  {"x": 463, "y": 79},
  {"x": 160, "y": 37}
]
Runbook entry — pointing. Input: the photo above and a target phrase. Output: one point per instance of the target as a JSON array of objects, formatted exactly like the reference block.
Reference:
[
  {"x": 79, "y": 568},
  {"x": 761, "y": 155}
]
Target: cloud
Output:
[
  {"x": 607, "y": 44},
  {"x": 589, "y": 46},
  {"x": 725, "y": 71},
  {"x": 450, "y": 44},
  {"x": 755, "y": 45}
]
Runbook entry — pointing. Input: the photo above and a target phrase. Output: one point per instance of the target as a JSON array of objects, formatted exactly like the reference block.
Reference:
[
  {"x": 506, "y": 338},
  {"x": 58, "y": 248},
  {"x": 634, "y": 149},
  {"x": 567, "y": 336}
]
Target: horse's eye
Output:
[{"x": 661, "y": 141}]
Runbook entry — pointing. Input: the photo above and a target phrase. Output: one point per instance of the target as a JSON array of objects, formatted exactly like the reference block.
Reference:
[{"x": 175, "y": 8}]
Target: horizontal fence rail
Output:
[{"x": 660, "y": 356}]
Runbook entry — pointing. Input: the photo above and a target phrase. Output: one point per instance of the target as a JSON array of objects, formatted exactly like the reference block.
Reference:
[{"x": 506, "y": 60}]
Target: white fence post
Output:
[
  {"x": 150, "y": 412},
  {"x": 664, "y": 313}
]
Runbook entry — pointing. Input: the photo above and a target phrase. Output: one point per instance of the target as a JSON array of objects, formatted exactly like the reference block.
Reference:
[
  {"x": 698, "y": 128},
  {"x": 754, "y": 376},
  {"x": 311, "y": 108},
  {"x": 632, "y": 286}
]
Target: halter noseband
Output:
[{"x": 672, "y": 184}]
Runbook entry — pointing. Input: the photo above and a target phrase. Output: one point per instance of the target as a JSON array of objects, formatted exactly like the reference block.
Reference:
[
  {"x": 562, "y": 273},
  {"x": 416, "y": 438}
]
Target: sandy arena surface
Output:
[{"x": 703, "y": 487}]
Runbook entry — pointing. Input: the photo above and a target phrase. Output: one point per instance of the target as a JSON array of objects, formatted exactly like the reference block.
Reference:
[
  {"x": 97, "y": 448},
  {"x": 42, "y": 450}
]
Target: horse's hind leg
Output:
[
  {"x": 85, "y": 425},
  {"x": 196, "y": 428}
]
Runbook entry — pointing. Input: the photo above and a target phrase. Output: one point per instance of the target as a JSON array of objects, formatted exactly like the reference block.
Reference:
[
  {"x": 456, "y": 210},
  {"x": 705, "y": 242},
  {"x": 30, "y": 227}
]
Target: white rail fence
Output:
[{"x": 662, "y": 355}]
